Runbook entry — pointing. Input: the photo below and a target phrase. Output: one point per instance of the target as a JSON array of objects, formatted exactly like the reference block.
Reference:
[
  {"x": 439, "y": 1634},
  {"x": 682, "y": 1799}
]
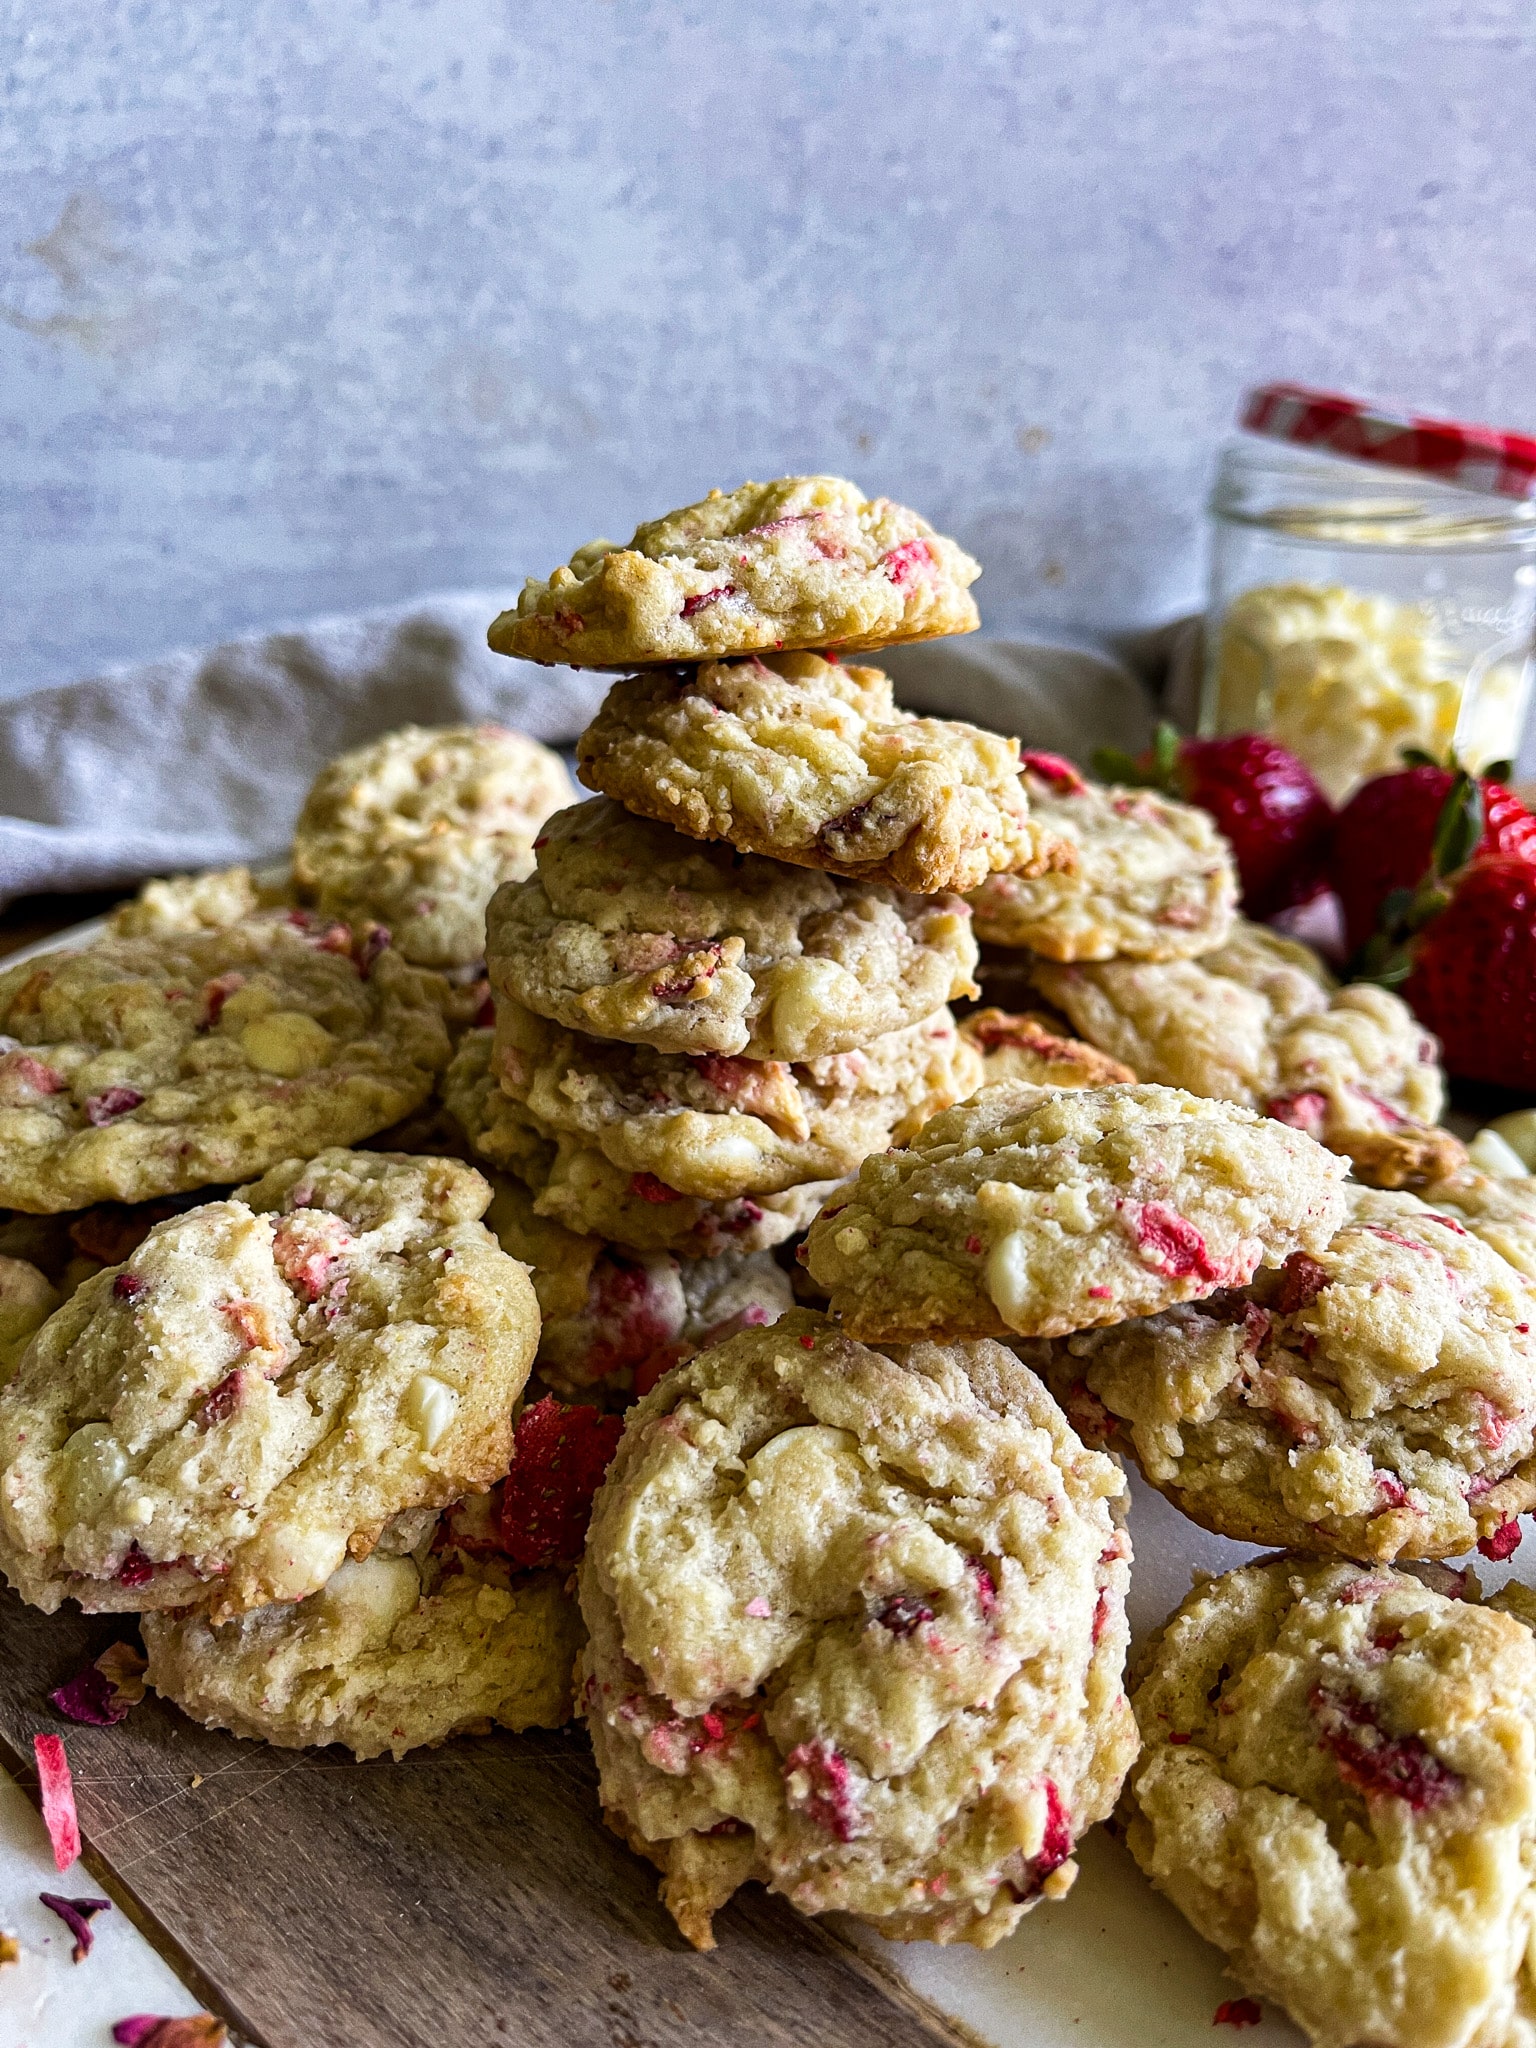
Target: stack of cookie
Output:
[
  {"x": 726, "y": 982},
  {"x": 1137, "y": 945}
]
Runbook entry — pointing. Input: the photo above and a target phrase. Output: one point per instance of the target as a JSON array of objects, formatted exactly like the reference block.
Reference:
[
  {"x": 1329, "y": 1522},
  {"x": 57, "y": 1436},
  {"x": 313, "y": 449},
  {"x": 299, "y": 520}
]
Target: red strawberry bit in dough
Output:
[
  {"x": 1391, "y": 1489},
  {"x": 904, "y": 1613},
  {"x": 253, "y": 1322},
  {"x": 216, "y": 994},
  {"x": 1103, "y": 1608},
  {"x": 110, "y": 1104},
  {"x": 757, "y": 1608},
  {"x": 1054, "y": 769},
  {"x": 1307, "y": 1111},
  {"x": 986, "y": 1586},
  {"x": 1390, "y": 1116},
  {"x": 818, "y": 1781},
  {"x": 58, "y": 1797},
  {"x": 224, "y": 1401},
  {"x": 692, "y": 606},
  {"x": 1169, "y": 1241},
  {"x": 308, "y": 1254},
  {"x": 1407, "y": 1244},
  {"x": 1238, "y": 2012},
  {"x": 33, "y": 1075},
  {"x": 1374, "y": 1763},
  {"x": 1056, "y": 1842},
  {"x": 1504, "y": 1541},
  {"x": 1179, "y": 1741},
  {"x": 913, "y": 561},
  {"x": 1493, "y": 1425},
  {"x": 558, "y": 1460},
  {"x": 1302, "y": 1280},
  {"x": 973, "y": 1246},
  {"x": 649, "y": 1189},
  {"x": 127, "y": 1287}
]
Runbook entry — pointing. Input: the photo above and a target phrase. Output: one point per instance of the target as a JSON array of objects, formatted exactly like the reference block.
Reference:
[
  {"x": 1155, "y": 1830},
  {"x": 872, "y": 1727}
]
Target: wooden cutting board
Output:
[{"x": 466, "y": 1896}]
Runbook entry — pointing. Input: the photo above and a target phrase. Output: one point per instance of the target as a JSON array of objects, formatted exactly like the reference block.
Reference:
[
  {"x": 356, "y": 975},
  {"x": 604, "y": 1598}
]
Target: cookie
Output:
[
  {"x": 615, "y": 1319},
  {"x": 631, "y": 931},
  {"x": 194, "y": 903},
  {"x": 420, "y": 828},
  {"x": 267, "y": 1382},
  {"x": 575, "y": 1186},
  {"x": 1337, "y": 1788},
  {"x": 27, "y": 1299},
  {"x": 1025, "y": 1046},
  {"x": 1153, "y": 878},
  {"x": 1261, "y": 1022},
  {"x": 1038, "y": 1211},
  {"x": 812, "y": 763},
  {"x": 1374, "y": 1399},
  {"x": 804, "y": 561},
  {"x": 1501, "y": 1212},
  {"x": 711, "y": 1125},
  {"x": 856, "y": 1631},
  {"x": 138, "y": 1067},
  {"x": 393, "y": 1653}
]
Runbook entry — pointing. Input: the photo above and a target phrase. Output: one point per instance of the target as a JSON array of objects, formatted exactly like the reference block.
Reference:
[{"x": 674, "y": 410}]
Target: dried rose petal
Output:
[
  {"x": 77, "y": 1915},
  {"x": 101, "y": 1694},
  {"x": 559, "y": 1457},
  {"x": 154, "y": 2030},
  {"x": 58, "y": 1795}
]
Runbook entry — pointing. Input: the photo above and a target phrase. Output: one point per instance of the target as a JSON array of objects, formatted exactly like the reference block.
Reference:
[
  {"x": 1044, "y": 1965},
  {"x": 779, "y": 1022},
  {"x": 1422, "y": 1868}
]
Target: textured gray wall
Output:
[{"x": 315, "y": 303}]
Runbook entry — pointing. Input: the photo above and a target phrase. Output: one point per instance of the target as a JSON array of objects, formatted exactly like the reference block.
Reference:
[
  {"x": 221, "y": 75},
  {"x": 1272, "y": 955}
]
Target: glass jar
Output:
[{"x": 1357, "y": 610}]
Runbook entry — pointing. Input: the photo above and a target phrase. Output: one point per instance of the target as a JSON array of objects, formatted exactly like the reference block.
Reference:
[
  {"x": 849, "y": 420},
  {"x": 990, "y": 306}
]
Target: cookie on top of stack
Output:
[
  {"x": 727, "y": 981},
  {"x": 1138, "y": 946}
]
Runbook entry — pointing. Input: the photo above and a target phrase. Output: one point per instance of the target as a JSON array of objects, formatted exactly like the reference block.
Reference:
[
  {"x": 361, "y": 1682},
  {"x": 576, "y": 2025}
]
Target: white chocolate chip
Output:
[
  {"x": 1518, "y": 1130},
  {"x": 286, "y": 1043},
  {"x": 1493, "y": 1152},
  {"x": 850, "y": 1241},
  {"x": 1008, "y": 1278},
  {"x": 430, "y": 1406}
]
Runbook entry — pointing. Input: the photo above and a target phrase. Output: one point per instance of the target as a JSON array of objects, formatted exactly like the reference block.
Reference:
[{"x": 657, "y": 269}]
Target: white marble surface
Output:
[{"x": 311, "y": 304}]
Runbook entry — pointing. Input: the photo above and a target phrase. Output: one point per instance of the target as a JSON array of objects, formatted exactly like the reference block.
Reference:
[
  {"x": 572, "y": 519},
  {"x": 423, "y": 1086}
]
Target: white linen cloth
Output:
[{"x": 203, "y": 758}]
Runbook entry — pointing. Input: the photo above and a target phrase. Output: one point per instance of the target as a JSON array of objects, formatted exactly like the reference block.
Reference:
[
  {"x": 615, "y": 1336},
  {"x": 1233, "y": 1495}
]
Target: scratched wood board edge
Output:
[{"x": 304, "y": 1892}]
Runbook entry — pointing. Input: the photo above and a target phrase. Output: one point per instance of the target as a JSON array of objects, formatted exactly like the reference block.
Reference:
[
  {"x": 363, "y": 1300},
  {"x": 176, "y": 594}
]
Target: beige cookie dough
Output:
[
  {"x": 1260, "y": 1021},
  {"x": 417, "y": 830},
  {"x": 265, "y": 1384},
  {"x": 1501, "y": 1212},
  {"x": 145, "y": 1066},
  {"x": 631, "y": 931},
  {"x": 1374, "y": 1399},
  {"x": 394, "y": 1652},
  {"x": 1038, "y": 1211},
  {"x": 1153, "y": 879},
  {"x": 804, "y": 561},
  {"x": 715, "y": 1126},
  {"x": 809, "y": 762},
  {"x": 1337, "y": 1788},
  {"x": 857, "y": 1627}
]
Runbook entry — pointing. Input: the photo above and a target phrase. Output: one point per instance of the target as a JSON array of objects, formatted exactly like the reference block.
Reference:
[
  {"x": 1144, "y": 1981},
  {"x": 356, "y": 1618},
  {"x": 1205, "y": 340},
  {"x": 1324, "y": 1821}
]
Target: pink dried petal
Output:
[
  {"x": 1373, "y": 1762},
  {"x": 58, "y": 1797},
  {"x": 77, "y": 1915},
  {"x": 692, "y": 606},
  {"x": 1238, "y": 2012},
  {"x": 110, "y": 1104},
  {"x": 100, "y": 1695},
  {"x": 1054, "y": 769},
  {"x": 1504, "y": 1541},
  {"x": 152, "y": 2030}
]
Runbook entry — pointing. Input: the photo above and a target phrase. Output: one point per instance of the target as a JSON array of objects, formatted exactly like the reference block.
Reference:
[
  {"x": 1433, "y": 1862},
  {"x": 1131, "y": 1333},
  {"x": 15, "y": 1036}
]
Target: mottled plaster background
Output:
[{"x": 309, "y": 306}]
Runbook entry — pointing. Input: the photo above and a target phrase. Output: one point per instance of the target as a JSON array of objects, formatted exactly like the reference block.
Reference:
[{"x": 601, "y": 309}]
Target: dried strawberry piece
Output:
[
  {"x": 1169, "y": 1241},
  {"x": 903, "y": 1613},
  {"x": 1238, "y": 2012},
  {"x": 216, "y": 993},
  {"x": 223, "y": 1401},
  {"x": 127, "y": 1287},
  {"x": 914, "y": 559},
  {"x": 1056, "y": 1842},
  {"x": 136, "y": 1569},
  {"x": 1504, "y": 1541},
  {"x": 1391, "y": 1489},
  {"x": 1055, "y": 769},
  {"x": 818, "y": 1781},
  {"x": 100, "y": 1695},
  {"x": 986, "y": 1586},
  {"x": 1306, "y": 1111},
  {"x": 559, "y": 1457},
  {"x": 1302, "y": 1280},
  {"x": 692, "y": 606},
  {"x": 110, "y": 1104},
  {"x": 77, "y": 1915},
  {"x": 58, "y": 1796},
  {"x": 1373, "y": 1762},
  {"x": 649, "y": 1189},
  {"x": 369, "y": 942}
]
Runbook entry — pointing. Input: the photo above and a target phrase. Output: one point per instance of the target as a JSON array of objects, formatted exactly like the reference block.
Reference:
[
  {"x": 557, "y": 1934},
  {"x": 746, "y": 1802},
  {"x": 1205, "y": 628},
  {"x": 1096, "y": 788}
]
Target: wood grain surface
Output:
[{"x": 468, "y": 1897}]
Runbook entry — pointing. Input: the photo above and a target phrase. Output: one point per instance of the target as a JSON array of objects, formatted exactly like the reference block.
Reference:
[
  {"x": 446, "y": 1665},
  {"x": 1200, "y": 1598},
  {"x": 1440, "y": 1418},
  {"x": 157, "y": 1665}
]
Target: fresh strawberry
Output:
[
  {"x": 1273, "y": 814},
  {"x": 1473, "y": 980},
  {"x": 559, "y": 1457},
  {"x": 1384, "y": 837}
]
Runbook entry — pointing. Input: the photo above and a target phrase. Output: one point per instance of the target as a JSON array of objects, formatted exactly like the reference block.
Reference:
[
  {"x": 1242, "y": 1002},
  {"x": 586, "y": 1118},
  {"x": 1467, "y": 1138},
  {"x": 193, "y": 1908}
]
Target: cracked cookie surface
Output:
[
  {"x": 419, "y": 828},
  {"x": 393, "y": 1653},
  {"x": 1153, "y": 879},
  {"x": 1376, "y": 1398},
  {"x": 1337, "y": 1788},
  {"x": 803, "y": 561},
  {"x": 632, "y": 931},
  {"x": 1037, "y": 1211},
  {"x": 1260, "y": 1021},
  {"x": 812, "y": 763},
  {"x": 856, "y": 1630},
  {"x": 718, "y": 1127},
  {"x": 264, "y": 1384},
  {"x": 148, "y": 1065}
]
